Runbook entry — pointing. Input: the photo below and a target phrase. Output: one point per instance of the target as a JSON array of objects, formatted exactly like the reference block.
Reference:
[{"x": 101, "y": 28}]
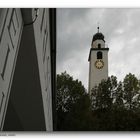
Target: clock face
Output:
[{"x": 99, "y": 64}]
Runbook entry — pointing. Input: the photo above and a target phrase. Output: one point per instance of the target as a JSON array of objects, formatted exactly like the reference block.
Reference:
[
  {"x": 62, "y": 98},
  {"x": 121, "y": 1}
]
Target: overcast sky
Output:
[{"x": 75, "y": 29}]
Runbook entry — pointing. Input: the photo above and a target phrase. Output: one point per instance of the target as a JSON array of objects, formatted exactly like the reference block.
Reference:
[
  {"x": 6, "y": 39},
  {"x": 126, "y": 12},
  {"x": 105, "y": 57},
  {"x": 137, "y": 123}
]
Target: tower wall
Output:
[
  {"x": 96, "y": 75},
  {"x": 96, "y": 42},
  {"x": 98, "y": 61}
]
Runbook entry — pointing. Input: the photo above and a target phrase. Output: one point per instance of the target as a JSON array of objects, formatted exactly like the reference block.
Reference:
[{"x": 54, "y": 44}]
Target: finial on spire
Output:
[{"x": 98, "y": 27}]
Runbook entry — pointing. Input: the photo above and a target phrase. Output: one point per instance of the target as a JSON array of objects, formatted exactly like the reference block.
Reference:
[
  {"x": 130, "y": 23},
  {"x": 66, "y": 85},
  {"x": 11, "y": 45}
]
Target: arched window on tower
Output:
[
  {"x": 99, "y": 46},
  {"x": 99, "y": 55}
]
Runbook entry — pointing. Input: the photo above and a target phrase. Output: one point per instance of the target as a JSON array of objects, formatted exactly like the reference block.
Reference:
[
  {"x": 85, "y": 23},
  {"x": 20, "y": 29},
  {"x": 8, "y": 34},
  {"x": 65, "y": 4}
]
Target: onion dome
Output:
[{"x": 98, "y": 36}]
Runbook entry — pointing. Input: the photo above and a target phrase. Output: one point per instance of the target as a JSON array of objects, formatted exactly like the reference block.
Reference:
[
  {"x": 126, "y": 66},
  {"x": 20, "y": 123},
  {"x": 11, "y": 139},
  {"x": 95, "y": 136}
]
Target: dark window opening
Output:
[
  {"x": 99, "y": 55},
  {"x": 99, "y": 46}
]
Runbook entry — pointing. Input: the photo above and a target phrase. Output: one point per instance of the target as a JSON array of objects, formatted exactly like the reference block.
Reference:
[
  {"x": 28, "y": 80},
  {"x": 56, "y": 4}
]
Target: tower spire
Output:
[{"x": 98, "y": 27}]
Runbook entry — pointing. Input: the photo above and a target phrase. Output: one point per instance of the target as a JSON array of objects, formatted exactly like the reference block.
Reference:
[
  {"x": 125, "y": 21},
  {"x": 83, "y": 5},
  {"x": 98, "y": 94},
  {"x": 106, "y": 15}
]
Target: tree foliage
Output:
[
  {"x": 131, "y": 89},
  {"x": 73, "y": 103},
  {"x": 113, "y": 105},
  {"x": 68, "y": 91}
]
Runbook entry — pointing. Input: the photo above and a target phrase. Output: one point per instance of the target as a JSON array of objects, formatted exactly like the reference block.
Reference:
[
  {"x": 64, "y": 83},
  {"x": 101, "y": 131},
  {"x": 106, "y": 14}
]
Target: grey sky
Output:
[{"x": 75, "y": 29}]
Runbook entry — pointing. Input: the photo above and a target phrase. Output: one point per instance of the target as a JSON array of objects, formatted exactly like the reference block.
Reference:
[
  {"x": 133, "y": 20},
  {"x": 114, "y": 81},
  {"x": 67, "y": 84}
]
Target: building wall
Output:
[
  {"x": 25, "y": 101},
  {"x": 42, "y": 38},
  {"x": 96, "y": 42},
  {"x": 97, "y": 75},
  {"x": 10, "y": 34},
  {"x": 16, "y": 27}
]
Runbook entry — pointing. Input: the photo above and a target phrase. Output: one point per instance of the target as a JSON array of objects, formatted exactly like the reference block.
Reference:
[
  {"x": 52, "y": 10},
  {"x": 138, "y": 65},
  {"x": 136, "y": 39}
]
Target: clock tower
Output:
[{"x": 98, "y": 60}]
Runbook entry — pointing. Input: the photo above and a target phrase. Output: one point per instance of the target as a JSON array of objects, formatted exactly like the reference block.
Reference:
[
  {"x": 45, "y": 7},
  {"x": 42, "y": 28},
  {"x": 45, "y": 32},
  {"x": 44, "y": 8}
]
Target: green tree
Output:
[
  {"x": 102, "y": 95},
  {"x": 112, "y": 105},
  {"x": 68, "y": 91},
  {"x": 131, "y": 89},
  {"x": 73, "y": 104},
  {"x": 116, "y": 105},
  {"x": 118, "y": 96},
  {"x": 79, "y": 118}
]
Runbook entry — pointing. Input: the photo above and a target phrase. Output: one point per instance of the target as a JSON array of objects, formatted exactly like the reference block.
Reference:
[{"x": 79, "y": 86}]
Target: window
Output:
[
  {"x": 99, "y": 46},
  {"x": 99, "y": 55}
]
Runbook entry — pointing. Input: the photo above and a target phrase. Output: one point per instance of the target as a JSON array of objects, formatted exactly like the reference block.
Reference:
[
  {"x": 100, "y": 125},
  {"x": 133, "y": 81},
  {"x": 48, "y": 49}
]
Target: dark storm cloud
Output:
[
  {"x": 70, "y": 37},
  {"x": 75, "y": 28}
]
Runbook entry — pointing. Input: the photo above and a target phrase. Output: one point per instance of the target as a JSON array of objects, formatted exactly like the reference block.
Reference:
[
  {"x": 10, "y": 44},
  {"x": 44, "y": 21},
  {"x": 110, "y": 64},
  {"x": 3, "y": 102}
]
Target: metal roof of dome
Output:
[{"x": 98, "y": 35}]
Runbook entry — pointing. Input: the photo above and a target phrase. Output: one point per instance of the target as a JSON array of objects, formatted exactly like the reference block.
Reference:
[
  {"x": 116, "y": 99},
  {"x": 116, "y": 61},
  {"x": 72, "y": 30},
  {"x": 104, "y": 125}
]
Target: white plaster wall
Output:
[
  {"x": 11, "y": 26},
  {"x": 96, "y": 42},
  {"x": 96, "y": 75},
  {"x": 42, "y": 38}
]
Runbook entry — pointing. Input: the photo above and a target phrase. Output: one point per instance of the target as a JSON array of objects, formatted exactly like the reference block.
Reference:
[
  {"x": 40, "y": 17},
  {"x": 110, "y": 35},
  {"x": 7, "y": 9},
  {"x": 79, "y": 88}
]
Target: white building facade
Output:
[
  {"x": 98, "y": 60},
  {"x": 27, "y": 69}
]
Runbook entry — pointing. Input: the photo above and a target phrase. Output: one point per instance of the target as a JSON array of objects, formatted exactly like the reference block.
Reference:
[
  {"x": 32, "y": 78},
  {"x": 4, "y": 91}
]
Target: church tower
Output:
[{"x": 98, "y": 60}]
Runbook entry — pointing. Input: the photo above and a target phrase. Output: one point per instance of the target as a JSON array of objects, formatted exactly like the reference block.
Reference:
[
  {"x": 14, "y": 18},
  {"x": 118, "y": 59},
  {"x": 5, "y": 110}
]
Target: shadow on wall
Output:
[{"x": 25, "y": 107}]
